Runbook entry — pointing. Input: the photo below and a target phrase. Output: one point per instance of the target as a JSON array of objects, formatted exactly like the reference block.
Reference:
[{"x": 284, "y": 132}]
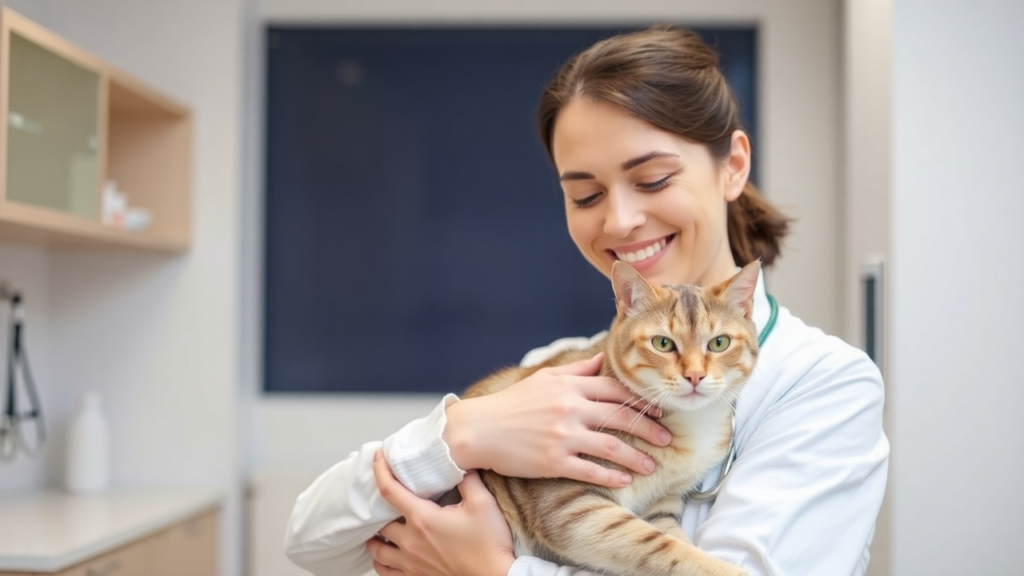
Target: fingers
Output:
[
  {"x": 385, "y": 557},
  {"x": 394, "y": 492},
  {"x": 587, "y": 471},
  {"x": 604, "y": 389},
  {"x": 472, "y": 488},
  {"x": 613, "y": 407},
  {"x": 385, "y": 571},
  {"x": 392, "y": 532},
  {"x": 619, "y": 409},
  {"x": 632, "y": 422},
  {"x": 610, "y": 448}
]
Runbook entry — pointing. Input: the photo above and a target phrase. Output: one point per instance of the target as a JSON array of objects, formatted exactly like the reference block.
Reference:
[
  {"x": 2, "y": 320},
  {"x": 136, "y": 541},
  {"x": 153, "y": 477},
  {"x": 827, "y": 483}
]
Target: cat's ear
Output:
[
  {"x": 629, "y": 286},
  {"x": 739, "y": 290}
]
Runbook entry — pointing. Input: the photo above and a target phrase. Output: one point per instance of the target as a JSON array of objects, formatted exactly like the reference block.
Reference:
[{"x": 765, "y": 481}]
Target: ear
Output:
[
  {"x": 739, "y": 290},
  {"x": 629, "y": 286},
  {"x": 737, "y": 166}
]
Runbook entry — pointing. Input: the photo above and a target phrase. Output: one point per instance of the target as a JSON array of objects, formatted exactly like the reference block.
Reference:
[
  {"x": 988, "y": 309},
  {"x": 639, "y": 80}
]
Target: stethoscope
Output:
[
  {"x": 13, "y": 424},
  {"x": 730, "y": 456}
]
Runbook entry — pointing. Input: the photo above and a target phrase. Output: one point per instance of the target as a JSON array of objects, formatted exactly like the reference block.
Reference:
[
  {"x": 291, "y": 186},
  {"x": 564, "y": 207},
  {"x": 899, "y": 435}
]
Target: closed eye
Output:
[
  {"x": 657, "y": 185},
  {"x": 584, "y": 202}
]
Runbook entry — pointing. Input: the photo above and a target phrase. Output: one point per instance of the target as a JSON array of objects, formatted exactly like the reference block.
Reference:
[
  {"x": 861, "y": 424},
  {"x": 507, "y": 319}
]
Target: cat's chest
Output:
[{"x": 700, "y": 442}]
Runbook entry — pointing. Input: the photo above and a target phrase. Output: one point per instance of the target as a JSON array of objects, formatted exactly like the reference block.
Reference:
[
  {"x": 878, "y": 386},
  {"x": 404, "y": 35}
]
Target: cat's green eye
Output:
[
  {"x": 719, "y": 344},
  {"x": 663, "y": 344}
]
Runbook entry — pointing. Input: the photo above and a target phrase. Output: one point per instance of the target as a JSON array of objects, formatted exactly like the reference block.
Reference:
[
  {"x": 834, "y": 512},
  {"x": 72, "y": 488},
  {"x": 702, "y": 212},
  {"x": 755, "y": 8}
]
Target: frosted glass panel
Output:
[{"x": 52, "y": 125}]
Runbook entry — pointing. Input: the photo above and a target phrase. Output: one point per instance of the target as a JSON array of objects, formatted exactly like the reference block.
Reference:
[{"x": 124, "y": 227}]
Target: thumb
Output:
[
  {"x": 586, "y": 367},
  {"x": 472, "y": 488}
]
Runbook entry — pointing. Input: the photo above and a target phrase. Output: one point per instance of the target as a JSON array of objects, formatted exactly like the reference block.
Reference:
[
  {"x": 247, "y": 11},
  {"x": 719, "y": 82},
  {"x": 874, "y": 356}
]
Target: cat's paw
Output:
[
  {"x": 726, "y": 569},
  {"x": 716, "y": 567}
]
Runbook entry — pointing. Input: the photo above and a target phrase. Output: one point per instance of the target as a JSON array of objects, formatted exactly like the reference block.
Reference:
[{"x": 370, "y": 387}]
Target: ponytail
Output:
[{"x": 756, "y": 228}]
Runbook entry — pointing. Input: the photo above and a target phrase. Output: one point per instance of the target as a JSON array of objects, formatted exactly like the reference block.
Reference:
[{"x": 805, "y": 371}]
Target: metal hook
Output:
[{"x": 12, "y": 422}]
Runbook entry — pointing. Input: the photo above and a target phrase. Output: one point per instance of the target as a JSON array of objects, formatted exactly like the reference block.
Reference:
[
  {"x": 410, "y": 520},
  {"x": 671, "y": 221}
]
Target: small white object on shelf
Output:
[
  {"x": 114, "y": 204},
  {"x": 88, "y": 456},
  {"x": 118, "y": 214},
  {"x": 136, "y": 218}
]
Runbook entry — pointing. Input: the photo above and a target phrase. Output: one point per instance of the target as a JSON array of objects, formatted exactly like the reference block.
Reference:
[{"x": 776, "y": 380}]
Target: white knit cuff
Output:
[{"x": 419, "y": 457}]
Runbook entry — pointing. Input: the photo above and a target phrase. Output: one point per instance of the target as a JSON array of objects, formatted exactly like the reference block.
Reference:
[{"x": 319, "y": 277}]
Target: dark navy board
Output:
[{"x": 415, "y": 234}]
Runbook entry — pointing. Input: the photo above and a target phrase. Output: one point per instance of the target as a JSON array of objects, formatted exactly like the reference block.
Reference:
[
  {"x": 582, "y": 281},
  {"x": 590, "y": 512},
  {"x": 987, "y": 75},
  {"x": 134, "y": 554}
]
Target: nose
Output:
[
  {"x": 624, "y": 214},
  {"x": 695, "y": 377}
]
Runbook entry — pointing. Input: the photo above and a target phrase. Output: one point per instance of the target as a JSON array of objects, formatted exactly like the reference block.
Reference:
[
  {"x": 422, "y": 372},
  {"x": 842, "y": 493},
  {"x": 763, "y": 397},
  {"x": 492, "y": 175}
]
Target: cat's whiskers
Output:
[
  {"x": 640, "y": 414},
  {"x": 626, "y": 404},
  {"x": 656, "y": 402}
]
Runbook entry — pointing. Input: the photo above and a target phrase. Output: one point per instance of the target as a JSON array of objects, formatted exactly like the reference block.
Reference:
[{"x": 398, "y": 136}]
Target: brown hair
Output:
[{"x": 668, "y": 77}]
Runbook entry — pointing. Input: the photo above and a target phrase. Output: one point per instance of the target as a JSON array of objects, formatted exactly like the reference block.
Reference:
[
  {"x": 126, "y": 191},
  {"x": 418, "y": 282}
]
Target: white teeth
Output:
[{"x": 643, "y": 253}]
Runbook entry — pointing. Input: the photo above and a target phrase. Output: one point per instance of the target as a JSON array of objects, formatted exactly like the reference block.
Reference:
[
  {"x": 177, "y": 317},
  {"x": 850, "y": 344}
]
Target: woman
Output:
[{"x": 645, "y": 136}]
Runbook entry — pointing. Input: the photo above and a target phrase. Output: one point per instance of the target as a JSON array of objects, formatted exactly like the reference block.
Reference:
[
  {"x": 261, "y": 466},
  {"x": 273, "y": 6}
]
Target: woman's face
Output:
[{"x": 636, "y": 193}]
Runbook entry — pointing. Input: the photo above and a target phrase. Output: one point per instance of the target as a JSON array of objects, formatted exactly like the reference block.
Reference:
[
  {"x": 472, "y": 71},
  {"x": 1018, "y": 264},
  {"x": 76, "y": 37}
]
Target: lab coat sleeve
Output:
[
  {"x": 343, "y": 508},
  {"x": 807, "y": 485}
]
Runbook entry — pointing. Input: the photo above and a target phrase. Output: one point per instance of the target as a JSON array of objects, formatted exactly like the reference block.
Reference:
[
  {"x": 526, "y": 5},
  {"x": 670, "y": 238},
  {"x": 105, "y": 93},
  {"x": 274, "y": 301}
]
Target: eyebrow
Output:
[{"x": 627, "y": 165}]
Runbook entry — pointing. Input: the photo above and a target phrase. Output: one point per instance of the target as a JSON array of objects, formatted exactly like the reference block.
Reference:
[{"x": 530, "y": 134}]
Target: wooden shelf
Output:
[{"x": 135, "y": 137}]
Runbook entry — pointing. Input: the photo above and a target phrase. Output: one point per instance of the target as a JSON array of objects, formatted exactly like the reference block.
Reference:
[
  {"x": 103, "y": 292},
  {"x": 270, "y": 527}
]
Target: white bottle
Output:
[{"x": 88, "y": 456}]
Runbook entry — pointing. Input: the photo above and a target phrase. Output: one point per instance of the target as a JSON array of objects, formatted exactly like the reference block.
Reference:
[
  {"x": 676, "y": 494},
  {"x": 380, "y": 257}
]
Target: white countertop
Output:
[{"x": 47, "y": 531}]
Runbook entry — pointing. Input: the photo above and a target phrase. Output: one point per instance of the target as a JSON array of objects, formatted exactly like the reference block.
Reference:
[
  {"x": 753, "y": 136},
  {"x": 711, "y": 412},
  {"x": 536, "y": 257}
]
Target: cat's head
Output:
[{"x": 683, "y": 347}]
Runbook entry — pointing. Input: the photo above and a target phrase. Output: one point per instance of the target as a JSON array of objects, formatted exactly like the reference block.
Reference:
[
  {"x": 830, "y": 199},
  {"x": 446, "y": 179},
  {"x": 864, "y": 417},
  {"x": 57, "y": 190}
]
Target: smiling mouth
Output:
[{"x": 643, "y": 253}]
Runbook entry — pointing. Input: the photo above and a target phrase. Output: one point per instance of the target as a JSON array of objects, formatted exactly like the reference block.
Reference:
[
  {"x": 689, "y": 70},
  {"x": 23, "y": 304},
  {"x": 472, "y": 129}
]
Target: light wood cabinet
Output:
[
  {"x": 187, "y": 548},
  {"x": 130, "y": 560},
  {"x": 71, "y": 125}
]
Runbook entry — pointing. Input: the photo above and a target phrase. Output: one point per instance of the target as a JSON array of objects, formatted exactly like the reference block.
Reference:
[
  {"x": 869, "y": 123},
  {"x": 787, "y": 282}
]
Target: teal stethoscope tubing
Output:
[{"x": 710, "y": 493}]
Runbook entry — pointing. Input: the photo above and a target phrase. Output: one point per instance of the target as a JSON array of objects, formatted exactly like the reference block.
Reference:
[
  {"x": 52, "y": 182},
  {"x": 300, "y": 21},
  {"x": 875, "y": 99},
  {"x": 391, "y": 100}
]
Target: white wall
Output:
[
  {"x": 37, "y": 10},
  {"x": 157, "y": 335},
  {"x": 867, "y": 29},
  {"x": 957, "y": 201}
]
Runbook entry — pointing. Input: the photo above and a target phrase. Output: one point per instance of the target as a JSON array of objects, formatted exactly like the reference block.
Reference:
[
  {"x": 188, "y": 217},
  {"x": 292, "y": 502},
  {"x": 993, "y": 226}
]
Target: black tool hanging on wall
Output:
[{"x": 16, "y": 423}]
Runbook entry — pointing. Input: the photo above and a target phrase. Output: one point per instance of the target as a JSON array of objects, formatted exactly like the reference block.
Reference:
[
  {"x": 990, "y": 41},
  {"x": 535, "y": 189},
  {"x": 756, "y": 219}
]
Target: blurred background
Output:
[{"x": 889, "y": 129}]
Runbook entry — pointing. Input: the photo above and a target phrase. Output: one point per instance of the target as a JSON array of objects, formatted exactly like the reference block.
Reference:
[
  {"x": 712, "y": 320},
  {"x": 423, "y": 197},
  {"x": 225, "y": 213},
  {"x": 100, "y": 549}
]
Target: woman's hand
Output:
[
  {"x": 470, "y": 538},
  {"x": 539, "y": 426}
]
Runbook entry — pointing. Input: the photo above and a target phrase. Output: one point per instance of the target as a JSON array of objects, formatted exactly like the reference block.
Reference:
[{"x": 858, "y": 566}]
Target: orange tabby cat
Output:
[{"x": 685, "y": 349}]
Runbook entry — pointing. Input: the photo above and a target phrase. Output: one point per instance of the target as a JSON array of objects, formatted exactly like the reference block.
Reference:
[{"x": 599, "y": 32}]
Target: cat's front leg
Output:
[{"x": 665, "y": 515}]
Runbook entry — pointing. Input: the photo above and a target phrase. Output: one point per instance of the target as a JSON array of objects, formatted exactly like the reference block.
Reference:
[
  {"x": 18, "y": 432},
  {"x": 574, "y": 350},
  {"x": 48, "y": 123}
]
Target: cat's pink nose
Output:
[{"x": 695, "y": 377}]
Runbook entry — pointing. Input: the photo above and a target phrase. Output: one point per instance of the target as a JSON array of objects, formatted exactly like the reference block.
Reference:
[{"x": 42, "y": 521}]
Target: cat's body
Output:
[{"x": 635, "y": 529}]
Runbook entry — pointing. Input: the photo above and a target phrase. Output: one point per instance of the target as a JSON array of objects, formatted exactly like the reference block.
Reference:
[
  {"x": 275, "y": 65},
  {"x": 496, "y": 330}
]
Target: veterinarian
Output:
[{"x": 645, "y": 137}]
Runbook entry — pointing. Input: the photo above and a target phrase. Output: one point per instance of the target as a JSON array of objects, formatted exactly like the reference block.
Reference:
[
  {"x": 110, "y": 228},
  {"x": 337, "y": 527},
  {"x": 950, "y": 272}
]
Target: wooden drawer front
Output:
[
  {"x": 132, "y": 560},
  {"x": 188, "y": 548}
]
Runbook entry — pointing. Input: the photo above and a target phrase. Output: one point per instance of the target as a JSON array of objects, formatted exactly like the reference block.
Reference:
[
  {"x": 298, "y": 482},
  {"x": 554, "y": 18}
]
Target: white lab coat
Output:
[{"x": 801, "y": 499}]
